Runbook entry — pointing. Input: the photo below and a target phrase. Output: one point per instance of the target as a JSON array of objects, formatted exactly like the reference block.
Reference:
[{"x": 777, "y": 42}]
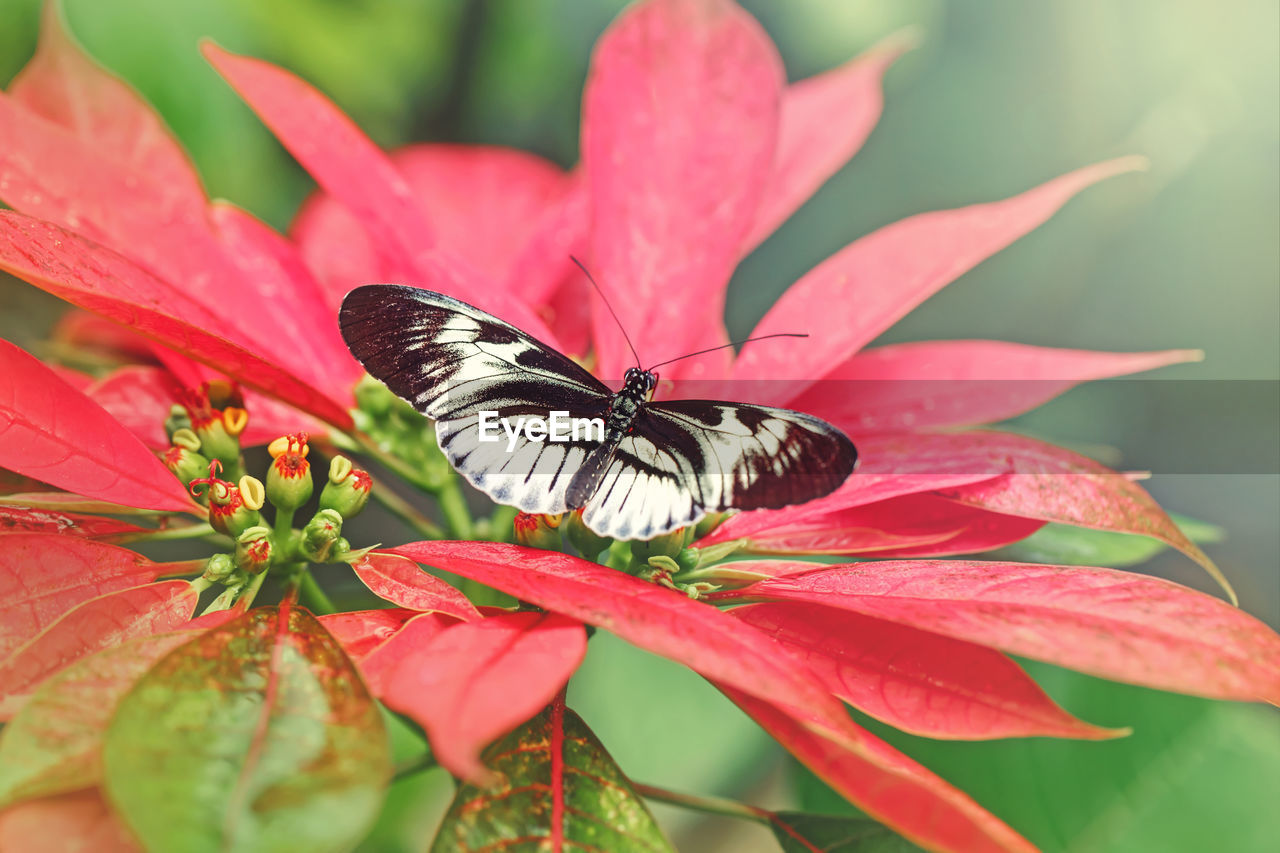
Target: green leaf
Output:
[
  {"x": 799, "y": 832},
  {"x": 1196, "y": 774},
  {"x": 258, "y": 736},
  {"x": 1063, "y": 544},
  {"x": 558, "y": 785}
]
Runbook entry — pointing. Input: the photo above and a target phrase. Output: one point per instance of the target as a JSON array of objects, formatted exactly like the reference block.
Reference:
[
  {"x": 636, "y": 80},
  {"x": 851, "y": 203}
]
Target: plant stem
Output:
[
  {"x": 710, "y": 805},
  {"x": 453, "y": 504},
  {"x": 313, "y": 596},
  {"x": 251, "y": 591},
  {"x": 283, "y": 527},
  {"x": 189, "y": 531},
  {"x": 405, "y": 511}
]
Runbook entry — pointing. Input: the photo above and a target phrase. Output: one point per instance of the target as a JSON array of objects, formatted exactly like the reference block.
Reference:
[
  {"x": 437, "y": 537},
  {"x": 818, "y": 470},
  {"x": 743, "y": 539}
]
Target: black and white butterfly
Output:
[{"x": 660, "y": 465}]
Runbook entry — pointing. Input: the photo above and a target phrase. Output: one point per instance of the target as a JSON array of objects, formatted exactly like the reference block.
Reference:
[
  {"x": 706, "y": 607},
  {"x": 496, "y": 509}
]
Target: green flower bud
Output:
[
  {"x": 665, "y": 545},
  {"x": 347, "y": 490},
  {"x": 289, "y": 483},
  {"x": 253, "y": 550},
  {"x": 374, "y": 398},
  {"x": 219, "y": 568},
  {"x": 586, "y": 541},
  {"x": 186, "y": 464},
  {"x": 216, "y": 415},
  {"x": 709, "y": 522},
  {"x": 538, "y": 531},
  {"x": 177, "y": 419},
  {"x": 321, "y": 535}
]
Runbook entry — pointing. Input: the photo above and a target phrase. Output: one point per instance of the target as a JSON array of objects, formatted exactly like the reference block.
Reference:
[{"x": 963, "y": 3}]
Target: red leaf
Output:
[
  {"x": 21, "y": 519},
  {"x": 474, "y": 682},
  {"x": 99, "y": 280},
  {"x": 403, "y": 583},
  {"x": 378, "y": 664},
  {"x": 879, "y": 278},
  {"x": 915, "y": 680},
  {"x": 338, "y": 155},
  {"x": 362, "y": 631},
  {"x": 61, "y": 84},
  {"x": 43, "y": 575},
  {"x": 90, "y": 626},
  {"x": 1112, "y": 624},
  {"x": 59, "y": 501},
  {"x": 660, "y": 620},
  {"x": 886, "y": 784},
  {"x": 918, "y": 525},
  {"x": 71, "y": 823},
  {"x": 825, "y": 119},
  {"x": 950, "y": 383},
  {"x": 282, "y": 281},
  {"x": 139, "y": 397},
  {"x": 486, "y": 204},
  {"x": 679, "y": 125},
  {"x": 1051, "y": 484},
  {"x": 51, "y": 431}
]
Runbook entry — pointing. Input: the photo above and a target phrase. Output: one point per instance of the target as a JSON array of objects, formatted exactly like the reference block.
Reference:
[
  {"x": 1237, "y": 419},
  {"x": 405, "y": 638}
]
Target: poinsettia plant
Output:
[{"x": 223, "y": 701}]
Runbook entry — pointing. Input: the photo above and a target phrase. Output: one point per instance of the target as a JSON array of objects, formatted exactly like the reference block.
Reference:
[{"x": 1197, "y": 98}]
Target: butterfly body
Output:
[{"x": 654, "y": 467}]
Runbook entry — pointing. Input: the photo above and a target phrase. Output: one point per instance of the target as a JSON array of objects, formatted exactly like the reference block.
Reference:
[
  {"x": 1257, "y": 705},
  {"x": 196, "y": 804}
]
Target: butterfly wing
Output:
[
  {"x": 452, "y": 361},
  {"x": 686, "y": 458}
]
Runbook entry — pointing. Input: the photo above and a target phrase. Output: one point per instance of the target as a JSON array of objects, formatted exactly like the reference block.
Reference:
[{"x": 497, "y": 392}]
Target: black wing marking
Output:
[
  {"x": 686, "y": 458},
  {"x": 451, "y": 361}
]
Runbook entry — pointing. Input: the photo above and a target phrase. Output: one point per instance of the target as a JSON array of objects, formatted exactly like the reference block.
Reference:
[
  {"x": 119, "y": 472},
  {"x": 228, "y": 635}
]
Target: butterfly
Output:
[{"x": 652, "y": 467}]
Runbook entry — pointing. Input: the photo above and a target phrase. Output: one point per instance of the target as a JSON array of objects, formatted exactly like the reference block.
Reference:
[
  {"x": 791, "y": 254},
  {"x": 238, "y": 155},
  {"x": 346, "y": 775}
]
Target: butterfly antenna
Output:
[
  {"x": 613, "y": 313},
  {"x": 731, "y": 344}
]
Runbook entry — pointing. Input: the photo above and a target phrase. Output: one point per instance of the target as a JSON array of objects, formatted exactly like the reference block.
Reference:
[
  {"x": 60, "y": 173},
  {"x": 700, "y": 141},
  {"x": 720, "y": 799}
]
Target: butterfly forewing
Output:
[{"x": 452, "y": 362}]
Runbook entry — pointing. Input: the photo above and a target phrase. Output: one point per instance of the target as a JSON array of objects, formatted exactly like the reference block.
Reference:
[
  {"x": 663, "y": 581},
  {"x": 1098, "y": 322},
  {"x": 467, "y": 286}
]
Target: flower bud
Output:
[
  {"x": 374, "y": 398},
  {"x": 228, "y": 512},
  {"x": 709, "y": 522},
  {"x": 538, "y": 531},
  {"x": 205, "y": 408},
  {"x": 321, "y": 535},
  {"x": 587, "y": 542},
  {"x": 178, "y": 419},
  {"x": 219, "y": 568},
  {"x": 253, "y": 550},
  {"x": 347, "y": 490},
  {"x": 185, "y": 463},
  {"x": 666, "y": 545},
  {"x": 289, "y": 483}
]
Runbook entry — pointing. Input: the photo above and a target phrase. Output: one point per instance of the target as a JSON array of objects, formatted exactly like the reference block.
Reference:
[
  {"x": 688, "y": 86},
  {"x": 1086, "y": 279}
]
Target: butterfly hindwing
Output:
[
  {"x": 451, "y": 362},
  {"x": 686, "y": 458}
]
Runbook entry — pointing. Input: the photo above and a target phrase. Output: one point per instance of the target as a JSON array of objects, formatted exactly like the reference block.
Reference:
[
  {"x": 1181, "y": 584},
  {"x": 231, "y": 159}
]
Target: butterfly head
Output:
[{"x": 639, "y": 382}]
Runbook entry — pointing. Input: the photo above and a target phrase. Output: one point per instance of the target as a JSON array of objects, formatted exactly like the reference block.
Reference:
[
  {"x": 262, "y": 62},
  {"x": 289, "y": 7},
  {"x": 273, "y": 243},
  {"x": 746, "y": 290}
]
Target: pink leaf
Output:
[
  {"x": 915, "y": 680},
  {"x": 680, "y": 119},
  {"x": 476, "y": 681},
  {"x": 886, "y": 784},
  {"x": 338, "y": 155},
  {"x": 825, "y": 119},
  {"x": 89, "y": 627},
  {"x": 1051, "y": 484},
  {"x": 953, "y": 383},
  {"x": 99, "y": 280},
  {"x": 51, "y": 431},
  {"x": 62, "y": 85},
  {"x": 380, "y": 663},
  {"x": 876, "y": 280},
  {"x": 70, "y": 823},
  {"x": 1112, "y": 624},
  {"x": 300, "y": 319},
  {"x": 43, "y": 575},
  {"x": 21, "y": 519},
  {"x": 918, "y": 525},
  {"x": 660, "y": 620},
  {"x": 404, "y": 584},
  {"x": 362, "y": 631}
]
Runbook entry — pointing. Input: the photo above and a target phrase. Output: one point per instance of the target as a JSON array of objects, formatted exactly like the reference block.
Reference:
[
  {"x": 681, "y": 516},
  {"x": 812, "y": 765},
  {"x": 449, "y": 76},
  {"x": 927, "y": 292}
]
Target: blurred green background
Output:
[{"x": 1000, "y": 96}]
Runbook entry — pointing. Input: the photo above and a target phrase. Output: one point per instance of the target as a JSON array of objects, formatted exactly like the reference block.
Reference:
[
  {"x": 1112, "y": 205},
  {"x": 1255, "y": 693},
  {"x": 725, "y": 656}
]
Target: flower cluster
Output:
[{"x": 694, "y": 150}]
